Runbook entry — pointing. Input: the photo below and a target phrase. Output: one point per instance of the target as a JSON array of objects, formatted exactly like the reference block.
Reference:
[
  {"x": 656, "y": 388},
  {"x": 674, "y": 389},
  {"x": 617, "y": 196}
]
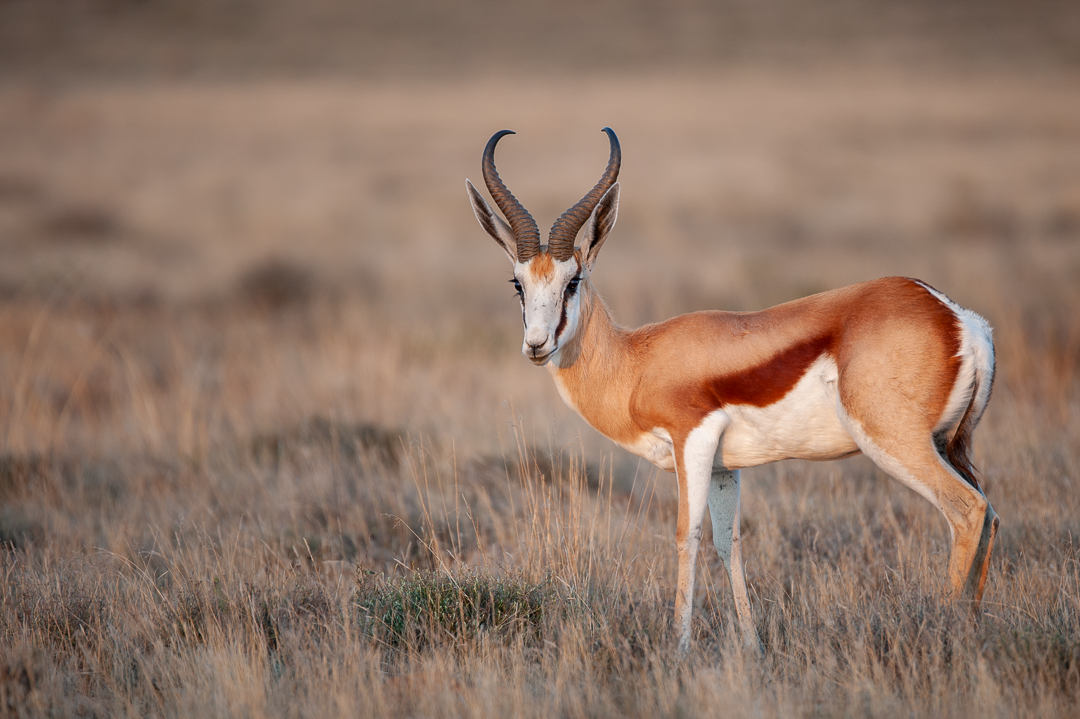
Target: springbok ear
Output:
[
  {"x": 600, "y": 223},
  {"x": 492, "y": 223}
]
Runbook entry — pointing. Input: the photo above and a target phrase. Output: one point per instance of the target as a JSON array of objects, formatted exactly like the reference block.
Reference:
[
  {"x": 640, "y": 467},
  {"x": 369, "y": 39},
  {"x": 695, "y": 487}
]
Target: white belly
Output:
[{"x": 805, "y": 424}]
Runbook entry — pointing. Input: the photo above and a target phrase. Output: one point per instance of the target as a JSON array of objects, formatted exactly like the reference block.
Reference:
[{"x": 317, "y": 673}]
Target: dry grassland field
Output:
[{"x": 268, "y": 446}]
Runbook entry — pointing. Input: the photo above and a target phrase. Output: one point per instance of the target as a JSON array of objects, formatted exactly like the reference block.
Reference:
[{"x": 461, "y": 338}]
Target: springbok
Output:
[{"x": 891, "y": 368}]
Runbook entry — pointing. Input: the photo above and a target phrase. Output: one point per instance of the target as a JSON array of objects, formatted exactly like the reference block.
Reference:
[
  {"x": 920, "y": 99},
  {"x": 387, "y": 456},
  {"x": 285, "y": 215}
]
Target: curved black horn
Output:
[
  {"x": 521, "y": 222},
  {"x": 565, "y": 229}
]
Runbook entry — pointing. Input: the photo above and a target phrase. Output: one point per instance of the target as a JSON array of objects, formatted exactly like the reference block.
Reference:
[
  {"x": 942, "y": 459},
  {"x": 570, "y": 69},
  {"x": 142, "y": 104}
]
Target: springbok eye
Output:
[
  {"x": 571, "y": 287},
  {"x": 517, "y": 286}
]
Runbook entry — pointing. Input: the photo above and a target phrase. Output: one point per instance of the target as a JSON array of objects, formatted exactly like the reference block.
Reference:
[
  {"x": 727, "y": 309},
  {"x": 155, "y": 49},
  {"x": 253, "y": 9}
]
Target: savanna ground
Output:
[{"x": 269, "y": 447}]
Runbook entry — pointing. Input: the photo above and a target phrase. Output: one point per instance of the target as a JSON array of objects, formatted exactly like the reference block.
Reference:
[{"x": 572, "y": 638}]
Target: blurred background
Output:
[
  {"x": 222, "y": 216},
  {"x": 258, "y": 361}
]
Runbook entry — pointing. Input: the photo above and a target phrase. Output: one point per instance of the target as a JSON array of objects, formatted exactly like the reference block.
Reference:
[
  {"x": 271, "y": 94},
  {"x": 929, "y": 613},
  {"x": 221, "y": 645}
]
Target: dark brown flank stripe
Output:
[{"x": 766, "y": 383}]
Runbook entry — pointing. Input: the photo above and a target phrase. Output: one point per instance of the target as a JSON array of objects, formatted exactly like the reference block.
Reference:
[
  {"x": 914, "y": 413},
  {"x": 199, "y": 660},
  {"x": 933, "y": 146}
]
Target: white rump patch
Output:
[{"x": 976, "y": 361}]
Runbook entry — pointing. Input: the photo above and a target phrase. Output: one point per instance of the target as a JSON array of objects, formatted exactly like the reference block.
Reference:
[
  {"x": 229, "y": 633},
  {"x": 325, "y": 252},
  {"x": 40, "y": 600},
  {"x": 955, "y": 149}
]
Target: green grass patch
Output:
[{"x": 427, "y": 608}]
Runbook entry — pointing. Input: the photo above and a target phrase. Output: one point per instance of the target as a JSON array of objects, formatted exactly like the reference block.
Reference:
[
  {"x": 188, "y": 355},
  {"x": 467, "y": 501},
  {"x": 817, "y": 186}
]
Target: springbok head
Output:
[{"x": 547, "y": 277}]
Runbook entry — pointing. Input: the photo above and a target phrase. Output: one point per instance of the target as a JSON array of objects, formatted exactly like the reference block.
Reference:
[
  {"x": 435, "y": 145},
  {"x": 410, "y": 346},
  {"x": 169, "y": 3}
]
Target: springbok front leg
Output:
[
  {"x": 693, "y": 463},
  {"x": 724, "y": 508}
]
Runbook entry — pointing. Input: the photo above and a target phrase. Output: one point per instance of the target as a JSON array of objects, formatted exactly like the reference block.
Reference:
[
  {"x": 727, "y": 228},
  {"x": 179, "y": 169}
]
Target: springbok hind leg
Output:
[
  {"x": 973, "y": 525},
  {"x": 724, "y": 508},
  {"x": 972, "y": 521},
  {"x": 976, "y": 578}
]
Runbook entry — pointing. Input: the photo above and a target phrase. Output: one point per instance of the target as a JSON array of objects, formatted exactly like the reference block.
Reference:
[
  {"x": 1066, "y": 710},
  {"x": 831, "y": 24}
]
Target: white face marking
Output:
[{"x": 551, "y": 305}]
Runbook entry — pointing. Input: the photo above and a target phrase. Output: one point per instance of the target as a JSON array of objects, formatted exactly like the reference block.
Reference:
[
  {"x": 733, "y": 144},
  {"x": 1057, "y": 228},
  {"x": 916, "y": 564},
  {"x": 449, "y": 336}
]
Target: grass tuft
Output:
[{"x": 438, "y": 608}]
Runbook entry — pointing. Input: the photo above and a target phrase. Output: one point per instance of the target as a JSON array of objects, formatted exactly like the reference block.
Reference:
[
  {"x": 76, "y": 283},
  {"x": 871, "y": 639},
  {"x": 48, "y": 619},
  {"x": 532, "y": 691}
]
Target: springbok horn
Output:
[
  {"x": 521, "y": 222},
  {"x": 565, "y": 229}
]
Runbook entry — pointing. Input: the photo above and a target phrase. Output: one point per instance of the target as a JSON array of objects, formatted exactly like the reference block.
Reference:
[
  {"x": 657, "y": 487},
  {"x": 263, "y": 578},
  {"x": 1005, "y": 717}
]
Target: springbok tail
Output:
[{"x": 958, "y": 449}]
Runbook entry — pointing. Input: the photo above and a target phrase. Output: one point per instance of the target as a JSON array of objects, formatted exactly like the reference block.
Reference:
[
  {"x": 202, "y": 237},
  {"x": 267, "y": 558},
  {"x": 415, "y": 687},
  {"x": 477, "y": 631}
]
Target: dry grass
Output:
[
  {"x": 269, "y": 448},
  {"x": 332, "y": 570}
]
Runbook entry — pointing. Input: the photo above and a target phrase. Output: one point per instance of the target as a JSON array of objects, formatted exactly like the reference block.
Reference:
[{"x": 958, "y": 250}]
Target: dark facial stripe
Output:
[{"x": 562, "y": 320}]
